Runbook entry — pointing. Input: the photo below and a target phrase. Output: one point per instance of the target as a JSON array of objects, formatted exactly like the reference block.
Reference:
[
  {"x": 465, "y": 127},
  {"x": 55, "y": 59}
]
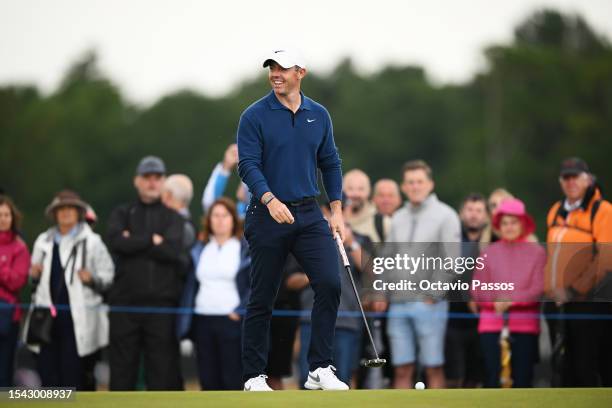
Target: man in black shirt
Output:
[
  {"x": 146, "y": 239},
  {"x": 463, "y": 367}
]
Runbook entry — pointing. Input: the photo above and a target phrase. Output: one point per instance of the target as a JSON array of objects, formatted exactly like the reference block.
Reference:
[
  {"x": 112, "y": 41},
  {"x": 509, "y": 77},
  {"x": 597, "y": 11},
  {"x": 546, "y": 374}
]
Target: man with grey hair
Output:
[{"x": 176, "y": 194}]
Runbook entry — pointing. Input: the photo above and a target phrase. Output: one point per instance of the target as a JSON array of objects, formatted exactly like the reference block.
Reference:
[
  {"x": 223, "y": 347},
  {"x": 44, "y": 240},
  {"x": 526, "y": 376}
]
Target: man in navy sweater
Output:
[{"x": 282, "y": 139}]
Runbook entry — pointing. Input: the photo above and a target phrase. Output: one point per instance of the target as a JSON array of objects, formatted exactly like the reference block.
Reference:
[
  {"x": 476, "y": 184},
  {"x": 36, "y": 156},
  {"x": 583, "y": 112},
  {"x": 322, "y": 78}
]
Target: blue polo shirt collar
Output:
[{"x": 275, "y": 104}]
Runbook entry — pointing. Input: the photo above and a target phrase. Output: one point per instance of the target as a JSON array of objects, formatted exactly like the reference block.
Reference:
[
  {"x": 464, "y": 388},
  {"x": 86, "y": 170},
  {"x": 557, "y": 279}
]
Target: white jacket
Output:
[{"x": 89, "y": 315}]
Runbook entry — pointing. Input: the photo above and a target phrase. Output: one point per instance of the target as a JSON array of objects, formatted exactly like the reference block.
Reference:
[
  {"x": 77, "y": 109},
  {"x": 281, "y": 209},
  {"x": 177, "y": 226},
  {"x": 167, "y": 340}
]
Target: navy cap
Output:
[
  {"x": 573, "y": 166},
  {"x": 151, "y": 165}
]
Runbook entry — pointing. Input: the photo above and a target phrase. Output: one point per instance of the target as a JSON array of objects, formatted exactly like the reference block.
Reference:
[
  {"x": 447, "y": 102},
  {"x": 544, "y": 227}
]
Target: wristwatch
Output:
[{"x": 272, "y": 197}]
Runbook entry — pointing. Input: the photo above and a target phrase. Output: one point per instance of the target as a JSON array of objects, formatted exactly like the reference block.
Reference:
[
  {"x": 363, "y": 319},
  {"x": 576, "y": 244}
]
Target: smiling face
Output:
[
  {"x": 417, "y": 185},
  {"x": 285, "y": 81}
]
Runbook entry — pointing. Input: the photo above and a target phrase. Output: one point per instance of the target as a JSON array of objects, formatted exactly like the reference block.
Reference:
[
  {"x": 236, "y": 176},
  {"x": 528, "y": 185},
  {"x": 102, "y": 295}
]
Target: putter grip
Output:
[{"x": 341, "y": 249}]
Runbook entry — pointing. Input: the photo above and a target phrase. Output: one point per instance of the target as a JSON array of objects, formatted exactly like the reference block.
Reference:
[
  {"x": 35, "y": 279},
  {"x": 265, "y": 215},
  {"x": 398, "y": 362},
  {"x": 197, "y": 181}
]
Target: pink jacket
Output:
[
  {"x": 518, "y": 263},
  {"x": 14, "y": 266}
]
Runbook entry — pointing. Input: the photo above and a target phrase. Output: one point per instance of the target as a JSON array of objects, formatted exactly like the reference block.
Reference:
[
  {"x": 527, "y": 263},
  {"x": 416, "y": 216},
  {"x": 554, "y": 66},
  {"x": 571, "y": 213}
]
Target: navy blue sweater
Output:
[{"x": 280, "y": 151}]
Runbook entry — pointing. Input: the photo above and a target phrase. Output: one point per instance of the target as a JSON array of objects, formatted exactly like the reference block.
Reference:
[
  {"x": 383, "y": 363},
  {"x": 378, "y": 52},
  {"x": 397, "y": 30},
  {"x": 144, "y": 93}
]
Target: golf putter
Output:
[{"x": 376, "y": 362}]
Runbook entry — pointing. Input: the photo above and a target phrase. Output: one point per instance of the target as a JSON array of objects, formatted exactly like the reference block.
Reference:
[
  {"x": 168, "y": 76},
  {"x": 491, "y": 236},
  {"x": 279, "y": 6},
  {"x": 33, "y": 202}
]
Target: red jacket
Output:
[{"x": 14, "y": 266}]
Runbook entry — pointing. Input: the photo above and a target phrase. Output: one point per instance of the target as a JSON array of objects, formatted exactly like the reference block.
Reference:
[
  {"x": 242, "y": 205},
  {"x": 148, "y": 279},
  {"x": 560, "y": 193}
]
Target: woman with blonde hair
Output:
[{"x": 489, "y": 234}]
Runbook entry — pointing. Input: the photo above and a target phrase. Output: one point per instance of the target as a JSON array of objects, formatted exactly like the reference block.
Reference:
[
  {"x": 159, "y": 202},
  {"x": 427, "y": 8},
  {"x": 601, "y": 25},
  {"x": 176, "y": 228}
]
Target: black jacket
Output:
[{"x": 146, "y": 274}]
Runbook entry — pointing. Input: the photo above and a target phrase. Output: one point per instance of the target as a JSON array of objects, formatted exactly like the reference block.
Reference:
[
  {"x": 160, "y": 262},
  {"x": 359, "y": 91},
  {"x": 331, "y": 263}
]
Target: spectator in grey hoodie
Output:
[{"x": 418, "y": 321}]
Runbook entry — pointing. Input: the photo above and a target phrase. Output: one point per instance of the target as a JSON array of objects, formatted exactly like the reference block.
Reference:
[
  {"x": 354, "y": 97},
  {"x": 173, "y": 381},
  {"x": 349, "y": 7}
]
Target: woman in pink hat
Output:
[{"x": 507, "y": 290}]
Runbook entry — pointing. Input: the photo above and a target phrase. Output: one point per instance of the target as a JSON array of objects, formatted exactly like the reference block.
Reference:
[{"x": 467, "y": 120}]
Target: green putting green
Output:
[{"x": 539, "y": 397}]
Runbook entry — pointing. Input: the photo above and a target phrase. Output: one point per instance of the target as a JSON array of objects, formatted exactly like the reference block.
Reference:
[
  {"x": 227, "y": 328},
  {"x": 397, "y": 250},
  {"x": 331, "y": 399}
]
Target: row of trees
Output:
[{"x": 545, "y": 96}]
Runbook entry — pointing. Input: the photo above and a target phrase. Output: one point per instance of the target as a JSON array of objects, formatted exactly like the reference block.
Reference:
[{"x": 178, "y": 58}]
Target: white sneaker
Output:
[
  {"x": 324, "y": 379},
  {"x": 257, "y": 384}
]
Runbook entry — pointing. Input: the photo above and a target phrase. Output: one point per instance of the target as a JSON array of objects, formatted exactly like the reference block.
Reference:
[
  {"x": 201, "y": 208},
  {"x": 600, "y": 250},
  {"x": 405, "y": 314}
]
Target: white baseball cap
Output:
[{"x": 286, "y": 58}]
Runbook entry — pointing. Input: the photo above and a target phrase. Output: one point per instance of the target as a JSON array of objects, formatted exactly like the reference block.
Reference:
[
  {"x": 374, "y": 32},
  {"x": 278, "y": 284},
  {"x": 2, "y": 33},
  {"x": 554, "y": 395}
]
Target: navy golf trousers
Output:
[{"x": 310, "y": 240}]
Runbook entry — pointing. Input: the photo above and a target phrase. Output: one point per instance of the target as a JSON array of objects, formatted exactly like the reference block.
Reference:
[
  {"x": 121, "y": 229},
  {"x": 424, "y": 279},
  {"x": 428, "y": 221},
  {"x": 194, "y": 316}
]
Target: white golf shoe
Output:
[
  {"x": 324, "y": 378},
  {"x": 257, "y": 384}
]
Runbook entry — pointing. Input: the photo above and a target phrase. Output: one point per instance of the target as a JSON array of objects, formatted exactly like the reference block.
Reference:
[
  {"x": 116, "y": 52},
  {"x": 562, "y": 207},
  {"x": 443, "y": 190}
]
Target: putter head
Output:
[{"x": 375, "y": 362}]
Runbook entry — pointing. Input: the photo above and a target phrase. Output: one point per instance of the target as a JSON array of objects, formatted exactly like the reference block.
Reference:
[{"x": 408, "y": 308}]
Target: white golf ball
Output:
[{"x": 419, "y": 386}]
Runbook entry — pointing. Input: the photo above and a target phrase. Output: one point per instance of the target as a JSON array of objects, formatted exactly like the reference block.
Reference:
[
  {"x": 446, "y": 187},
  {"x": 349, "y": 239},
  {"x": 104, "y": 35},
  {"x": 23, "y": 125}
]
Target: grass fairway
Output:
[{"x": 540, "y": 397}]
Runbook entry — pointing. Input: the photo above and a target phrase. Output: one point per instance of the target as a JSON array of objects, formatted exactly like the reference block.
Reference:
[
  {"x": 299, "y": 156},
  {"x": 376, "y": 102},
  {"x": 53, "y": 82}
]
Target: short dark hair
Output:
[
  {"x": 417, "y": 165},
  {"x": 15, "y": 213},
  {"x": 474, "y": 197}
]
